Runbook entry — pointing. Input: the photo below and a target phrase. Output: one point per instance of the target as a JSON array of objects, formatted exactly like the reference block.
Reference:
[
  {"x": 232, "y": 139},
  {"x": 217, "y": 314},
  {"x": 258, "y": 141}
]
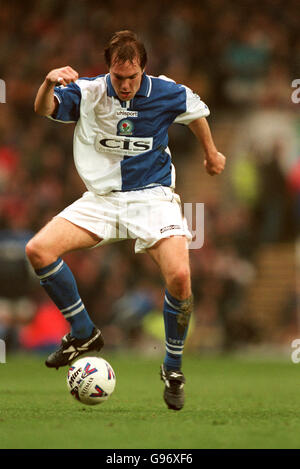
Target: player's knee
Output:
[
  {"x": 34, "y": 253},
  {"x": 179, "y": 281}
]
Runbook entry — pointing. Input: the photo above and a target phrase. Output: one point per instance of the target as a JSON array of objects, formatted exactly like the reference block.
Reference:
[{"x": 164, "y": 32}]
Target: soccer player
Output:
[{"x": 121, "y": 153}]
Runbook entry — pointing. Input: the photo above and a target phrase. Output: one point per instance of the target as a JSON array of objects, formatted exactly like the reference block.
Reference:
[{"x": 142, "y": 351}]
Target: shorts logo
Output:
[
  {"x": 170, "y": 227},
  {"x": 125, "y": 127}
]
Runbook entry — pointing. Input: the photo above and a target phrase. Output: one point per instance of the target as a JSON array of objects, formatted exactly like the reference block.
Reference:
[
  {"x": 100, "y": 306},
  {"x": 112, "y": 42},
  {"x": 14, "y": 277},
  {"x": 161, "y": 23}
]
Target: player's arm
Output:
[
  {"x": 45, "y": 103},
  {"x": 214, "y": 160}
]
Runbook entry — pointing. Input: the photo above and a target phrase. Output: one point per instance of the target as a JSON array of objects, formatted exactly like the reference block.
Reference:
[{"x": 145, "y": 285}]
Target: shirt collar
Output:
[{"x": 144, "y": 90}]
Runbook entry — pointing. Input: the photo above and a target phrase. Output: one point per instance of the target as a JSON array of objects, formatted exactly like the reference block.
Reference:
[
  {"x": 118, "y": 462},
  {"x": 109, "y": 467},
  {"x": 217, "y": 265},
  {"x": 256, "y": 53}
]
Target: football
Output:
[{"x": 91, "y": 380}]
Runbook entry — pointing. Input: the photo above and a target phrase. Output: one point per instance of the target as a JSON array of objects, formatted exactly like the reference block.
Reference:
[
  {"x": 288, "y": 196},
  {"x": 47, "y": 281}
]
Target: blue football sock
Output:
[
  {"x": 176, "y": 319},
  {"x": 59, "y": 282}
]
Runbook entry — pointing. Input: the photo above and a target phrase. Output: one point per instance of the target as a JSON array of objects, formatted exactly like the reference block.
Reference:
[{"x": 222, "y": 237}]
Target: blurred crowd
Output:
[{"x": 241, "y": 57}]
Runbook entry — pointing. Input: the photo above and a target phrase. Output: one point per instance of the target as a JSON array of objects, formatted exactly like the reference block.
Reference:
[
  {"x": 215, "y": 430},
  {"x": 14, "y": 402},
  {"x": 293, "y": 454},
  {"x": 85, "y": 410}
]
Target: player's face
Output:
[{"x": 126, "y": 78}]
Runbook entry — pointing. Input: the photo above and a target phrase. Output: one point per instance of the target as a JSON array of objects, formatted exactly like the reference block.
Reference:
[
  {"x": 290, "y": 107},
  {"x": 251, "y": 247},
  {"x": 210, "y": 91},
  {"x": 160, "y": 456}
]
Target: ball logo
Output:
[
  {"x": 70, "y": 370},
  {"x": 88, "y": 371},
  {"x": 100, "y": 392},
  {"x": 74, "y": 392},
  {"x": 110, "y": 373}
]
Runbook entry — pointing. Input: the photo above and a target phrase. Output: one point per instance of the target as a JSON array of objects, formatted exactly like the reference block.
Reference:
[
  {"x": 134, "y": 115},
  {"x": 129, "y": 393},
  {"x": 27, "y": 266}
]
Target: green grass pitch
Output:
[{"x": 231, "y": 402}]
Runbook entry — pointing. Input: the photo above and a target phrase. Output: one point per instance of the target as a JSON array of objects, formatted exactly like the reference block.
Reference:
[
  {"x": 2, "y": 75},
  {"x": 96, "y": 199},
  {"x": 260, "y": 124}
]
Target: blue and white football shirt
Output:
[{"x": 123, "y": 145}]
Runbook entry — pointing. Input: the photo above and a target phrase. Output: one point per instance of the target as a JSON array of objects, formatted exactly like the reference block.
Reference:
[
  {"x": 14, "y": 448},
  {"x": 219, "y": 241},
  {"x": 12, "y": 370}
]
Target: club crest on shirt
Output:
[{"x": 125, "y": 127}]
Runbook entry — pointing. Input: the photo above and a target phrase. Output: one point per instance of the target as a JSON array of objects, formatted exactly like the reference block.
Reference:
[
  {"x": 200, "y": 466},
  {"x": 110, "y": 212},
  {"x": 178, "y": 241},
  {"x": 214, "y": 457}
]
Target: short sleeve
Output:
[
  {"x": 69, "y": 98},
  {"x": 195, "y": 108}
]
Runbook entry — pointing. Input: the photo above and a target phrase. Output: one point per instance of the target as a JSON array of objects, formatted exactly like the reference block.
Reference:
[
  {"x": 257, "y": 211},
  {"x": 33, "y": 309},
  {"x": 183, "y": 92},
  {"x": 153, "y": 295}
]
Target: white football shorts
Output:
[{"x": 146, "y": 215}]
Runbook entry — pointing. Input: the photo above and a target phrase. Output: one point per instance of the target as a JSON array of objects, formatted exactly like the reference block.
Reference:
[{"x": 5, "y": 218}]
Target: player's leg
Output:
[
  {"x": 172, "y": 256},
  {"x": 58, "y": 237}
]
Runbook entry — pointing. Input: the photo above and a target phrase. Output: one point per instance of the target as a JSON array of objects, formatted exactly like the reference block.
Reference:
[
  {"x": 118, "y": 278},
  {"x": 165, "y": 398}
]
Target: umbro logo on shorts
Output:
[{"x": 170, "y": 227}]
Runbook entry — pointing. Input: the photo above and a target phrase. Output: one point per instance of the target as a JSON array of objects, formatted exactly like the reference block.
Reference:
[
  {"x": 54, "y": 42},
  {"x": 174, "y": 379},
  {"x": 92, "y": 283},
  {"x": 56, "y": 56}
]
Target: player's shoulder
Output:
[
  {"x": 165, "y": 85},
  {"x": 92, "y": 88},
  {"x": 164, "y": 81},
  {"x": 91, "y": 82}
]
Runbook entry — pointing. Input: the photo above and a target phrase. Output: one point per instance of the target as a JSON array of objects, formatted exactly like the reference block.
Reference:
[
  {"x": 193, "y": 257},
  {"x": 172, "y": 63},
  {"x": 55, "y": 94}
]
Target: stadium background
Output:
[{"x": 241, "y": 58}]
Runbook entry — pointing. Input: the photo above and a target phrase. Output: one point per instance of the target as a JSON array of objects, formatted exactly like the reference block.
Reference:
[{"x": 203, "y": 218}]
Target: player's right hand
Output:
[
  {"x": 62, "y": 76},
  {"x": 215, "y": 163}
]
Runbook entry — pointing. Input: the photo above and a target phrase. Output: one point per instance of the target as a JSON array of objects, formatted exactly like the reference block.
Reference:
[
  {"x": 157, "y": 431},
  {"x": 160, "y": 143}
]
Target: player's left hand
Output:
[{"x": 215, "y": 163}]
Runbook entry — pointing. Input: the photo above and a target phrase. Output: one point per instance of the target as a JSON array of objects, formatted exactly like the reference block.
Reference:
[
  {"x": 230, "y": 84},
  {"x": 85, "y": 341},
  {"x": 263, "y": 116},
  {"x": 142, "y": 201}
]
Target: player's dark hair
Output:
[{"x": 123, "y": 46}]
